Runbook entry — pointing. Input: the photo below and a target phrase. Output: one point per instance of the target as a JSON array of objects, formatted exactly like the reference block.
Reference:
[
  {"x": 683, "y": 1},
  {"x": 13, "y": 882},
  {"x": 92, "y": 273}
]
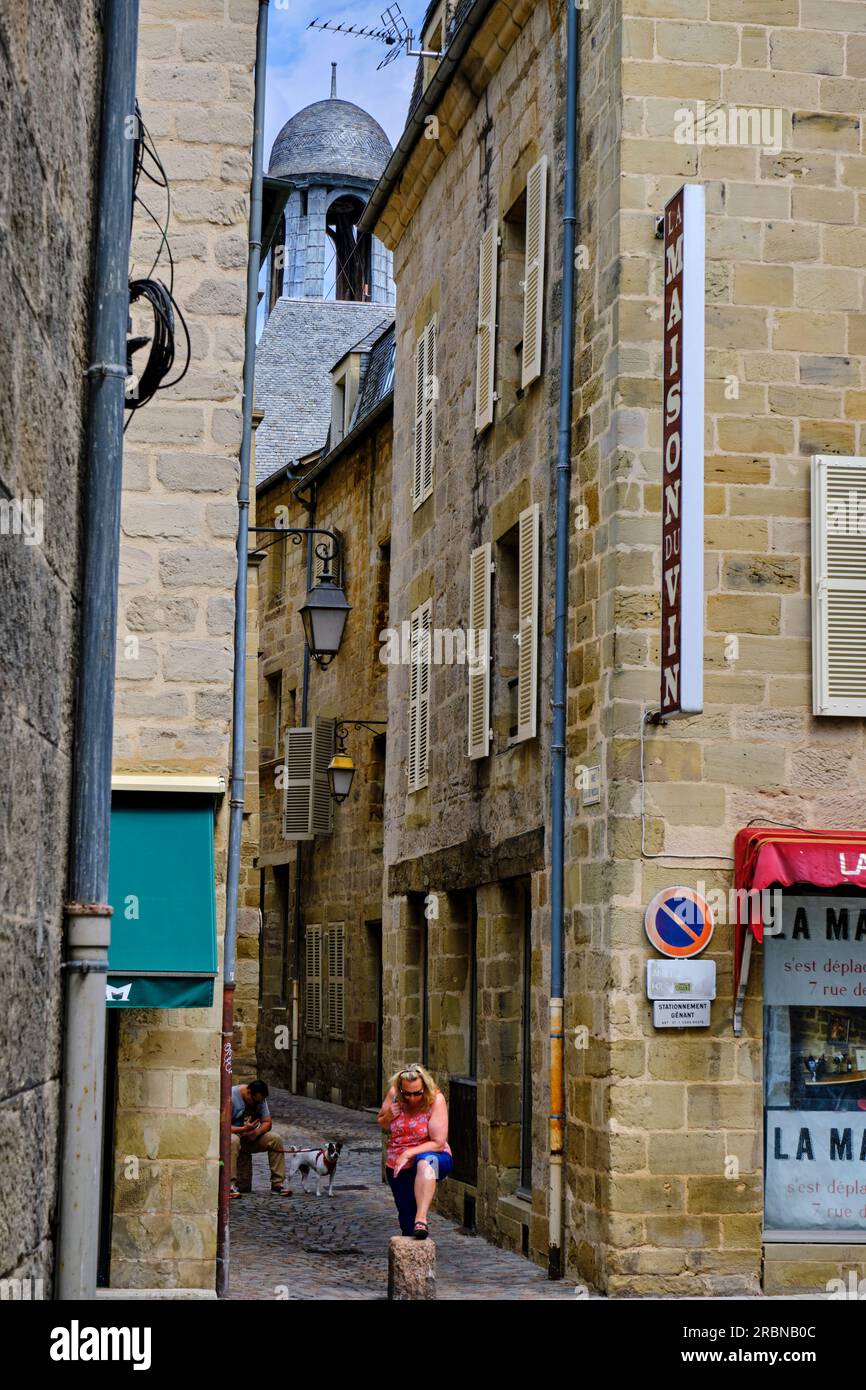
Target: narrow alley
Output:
[{"x": 300, "y": 1247}]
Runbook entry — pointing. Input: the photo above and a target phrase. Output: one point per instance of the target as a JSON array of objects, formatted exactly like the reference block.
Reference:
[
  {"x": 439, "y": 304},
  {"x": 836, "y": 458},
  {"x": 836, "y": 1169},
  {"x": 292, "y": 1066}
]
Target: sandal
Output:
[{"x": 420, "y": 1232}]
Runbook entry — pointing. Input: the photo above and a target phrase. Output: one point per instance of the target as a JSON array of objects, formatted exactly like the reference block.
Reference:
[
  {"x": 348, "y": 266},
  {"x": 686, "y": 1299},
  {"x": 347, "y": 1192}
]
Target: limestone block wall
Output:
[
  {"x": 499, "y": 116},
  {"x": 50, "y": 78},
  {"x": 665, "y": 1145},
  {"x": 176, "y": 618},
  {"x": 342, "y": 877}
]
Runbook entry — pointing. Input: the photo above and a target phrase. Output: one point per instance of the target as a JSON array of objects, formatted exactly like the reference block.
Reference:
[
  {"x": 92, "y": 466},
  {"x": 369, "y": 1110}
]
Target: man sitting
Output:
[{"x": 252, "y": 1132}]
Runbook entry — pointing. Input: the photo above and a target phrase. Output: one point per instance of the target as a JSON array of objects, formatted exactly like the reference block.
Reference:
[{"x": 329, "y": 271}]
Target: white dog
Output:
[{"x": 322, "y": 1162}]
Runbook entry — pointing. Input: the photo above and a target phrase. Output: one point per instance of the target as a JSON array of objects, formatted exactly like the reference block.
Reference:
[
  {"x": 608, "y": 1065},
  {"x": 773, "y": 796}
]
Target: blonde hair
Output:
[{"x": 412, "y": 1072}]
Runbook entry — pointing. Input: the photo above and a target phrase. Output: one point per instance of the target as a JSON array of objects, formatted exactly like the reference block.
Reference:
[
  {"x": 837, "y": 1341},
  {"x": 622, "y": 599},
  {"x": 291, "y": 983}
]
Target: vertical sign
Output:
[{"x": 682, "y": 646}]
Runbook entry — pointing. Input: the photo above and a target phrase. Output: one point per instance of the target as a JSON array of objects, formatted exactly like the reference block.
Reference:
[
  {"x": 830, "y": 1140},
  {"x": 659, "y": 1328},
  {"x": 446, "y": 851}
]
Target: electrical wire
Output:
[{"x": 160, "y": 297}]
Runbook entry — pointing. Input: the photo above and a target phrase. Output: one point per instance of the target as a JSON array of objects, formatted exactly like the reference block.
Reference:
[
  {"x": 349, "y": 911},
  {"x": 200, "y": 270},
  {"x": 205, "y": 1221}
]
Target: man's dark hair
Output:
[{"x": 259, "y": 1088}]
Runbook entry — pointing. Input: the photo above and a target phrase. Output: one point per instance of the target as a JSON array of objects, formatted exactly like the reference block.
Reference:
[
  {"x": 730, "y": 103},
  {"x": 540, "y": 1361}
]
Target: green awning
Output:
[{"x": 161, "y": 888}]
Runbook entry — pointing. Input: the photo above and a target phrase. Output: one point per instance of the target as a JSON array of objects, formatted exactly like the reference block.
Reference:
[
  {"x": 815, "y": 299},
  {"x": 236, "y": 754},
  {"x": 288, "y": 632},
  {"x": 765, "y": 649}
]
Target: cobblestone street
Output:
[{"x": 301, "y": 1247}]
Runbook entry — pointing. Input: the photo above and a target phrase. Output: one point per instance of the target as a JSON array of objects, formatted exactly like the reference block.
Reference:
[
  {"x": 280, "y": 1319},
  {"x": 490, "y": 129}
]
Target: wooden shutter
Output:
[
  {"x": 313, "y": 989},
  {"x": 318, "y": 565},
  {"x": 839, "y": 585},
  {"x": 478, "y": 646},
  {"x": 321, "y": 801},
  {"x": 426, "y": 394},
  {"x": 419, "y": 695},
  {"x": 533, "y": 284},
  {"x": 418, "y": 440},
  {"x": 336, "y": 982},
  {"x": 528, "y": 611},
  {"x": 297, "y": 784},
  {"x": 485, "y": 378}
]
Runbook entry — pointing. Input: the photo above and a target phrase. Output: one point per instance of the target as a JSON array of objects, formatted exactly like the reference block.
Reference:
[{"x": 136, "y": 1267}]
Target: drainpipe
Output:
[
  {"x": 88, "y": 916},
  {"x": 560, "y": 653},
  {"x": 236, "y": 798}
]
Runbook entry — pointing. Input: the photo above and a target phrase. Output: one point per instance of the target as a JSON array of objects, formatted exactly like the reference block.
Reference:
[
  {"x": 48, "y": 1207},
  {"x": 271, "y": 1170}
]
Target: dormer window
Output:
[
  {"x": 344, "y": 396},
  {"x": 433, "y": 38}
]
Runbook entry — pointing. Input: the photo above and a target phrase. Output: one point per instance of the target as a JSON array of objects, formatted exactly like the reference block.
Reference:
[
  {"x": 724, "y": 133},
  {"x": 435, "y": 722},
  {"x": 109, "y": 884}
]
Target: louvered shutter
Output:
[
  {"x": 533, "y": 284},
  {"x": 321, "y": 801},
  {"x": 336, "y": 982},
  {"x": 528, "y": 611},
  {"x": 297, "y": 784},
  {"x": 431, "y": 396},
  {"x": 336, "y": 553},
  {"x": 419, "y": 695},
  {"x": 839, "y": 585},
  {"x": 418, "y": 440},
  {"x": 313, "y": 991},
  {"x": 478, "y": 646},
  {"x": 485, "y": 394}
]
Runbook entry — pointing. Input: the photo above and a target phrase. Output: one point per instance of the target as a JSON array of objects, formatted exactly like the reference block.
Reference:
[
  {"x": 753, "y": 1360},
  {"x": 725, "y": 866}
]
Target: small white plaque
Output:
[
  {"x": 680, "y": 979},
  {"x": 681, "y": 1013}
]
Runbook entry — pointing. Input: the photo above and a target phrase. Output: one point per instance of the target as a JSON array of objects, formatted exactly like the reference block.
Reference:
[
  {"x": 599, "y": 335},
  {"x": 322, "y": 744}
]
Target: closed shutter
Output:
[
  {"x": 528, "y": 611},
  {"x": 485, "y": 394},
  {"x": 335, "y": 566},
  {"x": 336, "y": 982},
  {"x": 321, "y": 801},
  {"x": 297, "y": 784},
  {"x": 533, "y": 284},
  {"x": 839, "y": 585},
  {"x": 426, "y": 396},
  {"x": 313, "y": 990},
  {"x": 478, "y": 645},
  {"x": 418, "y": 438},
  {"x": 419, "y": 695}
]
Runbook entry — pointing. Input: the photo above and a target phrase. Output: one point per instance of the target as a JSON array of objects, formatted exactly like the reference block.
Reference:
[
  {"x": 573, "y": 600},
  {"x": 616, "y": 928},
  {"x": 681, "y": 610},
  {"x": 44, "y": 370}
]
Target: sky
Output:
[{"x": 299, "y": 62}]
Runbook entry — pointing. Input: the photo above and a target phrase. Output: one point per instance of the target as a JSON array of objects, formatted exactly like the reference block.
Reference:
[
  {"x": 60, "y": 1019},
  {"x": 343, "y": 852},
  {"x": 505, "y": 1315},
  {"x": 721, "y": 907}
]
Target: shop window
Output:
[{"x": 815, "y": 1068}]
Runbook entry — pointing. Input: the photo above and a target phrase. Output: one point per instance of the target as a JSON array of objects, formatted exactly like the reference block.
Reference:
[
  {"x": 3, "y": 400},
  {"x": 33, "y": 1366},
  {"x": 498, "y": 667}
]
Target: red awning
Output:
[{"x": 769, "y": 856}]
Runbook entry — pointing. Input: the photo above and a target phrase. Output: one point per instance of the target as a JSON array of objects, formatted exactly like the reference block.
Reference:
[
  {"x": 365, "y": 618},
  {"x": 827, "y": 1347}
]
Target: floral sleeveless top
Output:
[{"x": 406, "y": 1131}]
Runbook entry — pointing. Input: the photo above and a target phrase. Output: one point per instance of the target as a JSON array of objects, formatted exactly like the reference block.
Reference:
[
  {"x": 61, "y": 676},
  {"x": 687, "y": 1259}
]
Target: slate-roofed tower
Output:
[
  {"x": 333, "y": 152},
  {"x": 329, "y": 285}
]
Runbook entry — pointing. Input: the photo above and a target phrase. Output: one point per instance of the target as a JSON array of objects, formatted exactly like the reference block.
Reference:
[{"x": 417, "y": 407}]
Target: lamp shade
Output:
[
  {"x": 341, "y": 771},
  {"x": 324, "y": 617}
]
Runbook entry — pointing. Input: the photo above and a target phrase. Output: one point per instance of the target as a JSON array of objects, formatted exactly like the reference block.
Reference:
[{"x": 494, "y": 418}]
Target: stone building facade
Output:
[
  {"x": 176, "y": 614},
  {"x": 666, "y": 1176},
  {"x": 50, "y": 75},
  {"x": 326, "y": 903}
]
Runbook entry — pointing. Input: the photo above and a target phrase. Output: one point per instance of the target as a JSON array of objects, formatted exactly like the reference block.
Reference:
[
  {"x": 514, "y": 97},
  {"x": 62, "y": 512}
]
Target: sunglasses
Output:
[{"x": 411, "y": 1095}]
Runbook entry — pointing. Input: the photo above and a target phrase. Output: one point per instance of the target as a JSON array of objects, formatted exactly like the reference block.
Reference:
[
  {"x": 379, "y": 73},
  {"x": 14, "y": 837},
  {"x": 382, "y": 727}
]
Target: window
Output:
[
  {"x": 276, "y": 547},
  {"x": 313, "y": 981},
  {"x": 815, "y": 1067},
  {"x": 419, "y": 695},
  {"x": 274, "y": 711},
  {"x": 426, "y": 397},
  {"x": 839, "y": 585},
  {"x": 345, "y": 380},
  {"x": 433, "y": 39},
  {"x": 308, "y": 809},
  {"x": 515, "y": 698},
  {"x": 336, "y": 1006}
]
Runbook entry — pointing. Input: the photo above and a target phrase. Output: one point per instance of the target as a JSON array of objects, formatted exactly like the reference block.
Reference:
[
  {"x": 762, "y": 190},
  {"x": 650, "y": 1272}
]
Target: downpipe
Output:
[
  {"x": 87, "y": 914},
  {"x": 237, "y": 792},
  {"x": 556, "y": 1119}
]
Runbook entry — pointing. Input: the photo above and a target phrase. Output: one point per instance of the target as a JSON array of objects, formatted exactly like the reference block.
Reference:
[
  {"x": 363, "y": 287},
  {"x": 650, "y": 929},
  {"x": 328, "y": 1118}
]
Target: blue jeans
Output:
[{"x": 403, "y": 1186}]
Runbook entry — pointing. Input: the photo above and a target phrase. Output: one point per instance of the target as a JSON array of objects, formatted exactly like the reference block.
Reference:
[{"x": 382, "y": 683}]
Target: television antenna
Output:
[{"x": 395, "y": 33}]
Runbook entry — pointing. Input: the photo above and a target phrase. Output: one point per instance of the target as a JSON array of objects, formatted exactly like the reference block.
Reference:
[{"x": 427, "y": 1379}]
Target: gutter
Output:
[
  {"x": 237, "y": 786},
  {"x": 88, "y": 915},
  {"x": 430, "y": 99},
  {"x": 556, "y": 1123}
]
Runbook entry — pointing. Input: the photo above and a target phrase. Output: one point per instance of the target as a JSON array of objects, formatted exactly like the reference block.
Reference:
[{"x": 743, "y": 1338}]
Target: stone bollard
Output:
[{"x": 411, "y": 1268}]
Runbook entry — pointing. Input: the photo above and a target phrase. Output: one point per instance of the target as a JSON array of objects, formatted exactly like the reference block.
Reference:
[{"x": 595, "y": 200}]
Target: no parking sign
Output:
[{"x": 679, "y": 922}]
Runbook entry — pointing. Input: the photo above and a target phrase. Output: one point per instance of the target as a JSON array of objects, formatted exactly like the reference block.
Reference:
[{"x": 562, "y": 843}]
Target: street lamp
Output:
[
  {"x": 341, "y": 769},
  {"x": 325, "y": 612}
]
